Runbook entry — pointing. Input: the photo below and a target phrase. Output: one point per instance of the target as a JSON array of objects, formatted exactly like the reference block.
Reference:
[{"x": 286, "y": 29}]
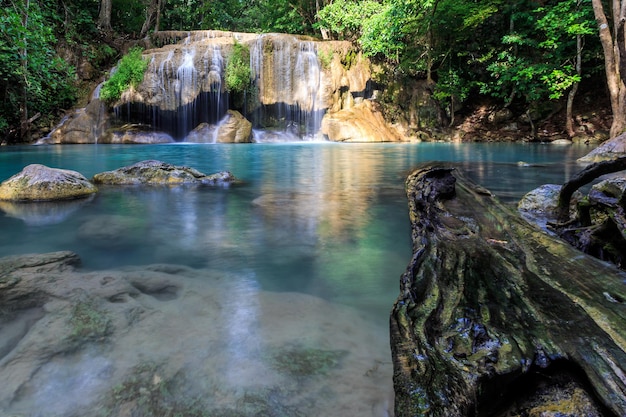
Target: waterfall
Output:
[
  {"x": 182, "y": 88},
  {"x": 184, "y": 85},
  {"x": 287, "y": 77}
]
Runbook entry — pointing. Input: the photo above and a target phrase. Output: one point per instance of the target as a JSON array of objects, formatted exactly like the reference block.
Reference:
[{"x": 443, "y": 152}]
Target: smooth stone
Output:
[{"x": 38, "y": 182}]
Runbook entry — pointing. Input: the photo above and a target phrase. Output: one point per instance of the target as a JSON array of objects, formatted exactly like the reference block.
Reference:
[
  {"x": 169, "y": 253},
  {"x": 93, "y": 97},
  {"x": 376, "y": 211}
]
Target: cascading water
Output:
[
  {"x": 185, "y": 89},
  {"x": 185, "y": 86},
  {"x": 287, "y": 78}
]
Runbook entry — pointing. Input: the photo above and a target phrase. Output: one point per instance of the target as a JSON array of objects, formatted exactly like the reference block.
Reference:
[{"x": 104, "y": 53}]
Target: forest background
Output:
[{"x": 527, "y": 57}]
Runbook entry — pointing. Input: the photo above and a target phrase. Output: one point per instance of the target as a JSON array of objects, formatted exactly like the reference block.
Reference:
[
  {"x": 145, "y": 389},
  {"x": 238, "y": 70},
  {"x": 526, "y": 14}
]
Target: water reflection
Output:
[{"x": 40, "y": 213}]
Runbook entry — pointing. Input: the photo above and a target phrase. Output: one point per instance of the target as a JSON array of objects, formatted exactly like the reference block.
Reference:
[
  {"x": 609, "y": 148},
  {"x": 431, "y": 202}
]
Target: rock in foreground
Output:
[
  {"x": 489, "y": 305},
  {"x": 40, "y": 183},
  {"x": 161, "y": 173}
]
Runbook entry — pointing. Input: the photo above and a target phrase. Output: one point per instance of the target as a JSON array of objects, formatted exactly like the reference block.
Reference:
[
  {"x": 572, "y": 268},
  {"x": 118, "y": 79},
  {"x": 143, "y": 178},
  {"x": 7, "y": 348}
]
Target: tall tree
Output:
[
  {"x": 32, "y": 76},
  {"x": 24, "y": 123},
  {"x": 564, "y": 25},
  {"x": 153, "y": 15},
  {"x": 613, "y": 40},
  {"x": 104, "y": 17}
]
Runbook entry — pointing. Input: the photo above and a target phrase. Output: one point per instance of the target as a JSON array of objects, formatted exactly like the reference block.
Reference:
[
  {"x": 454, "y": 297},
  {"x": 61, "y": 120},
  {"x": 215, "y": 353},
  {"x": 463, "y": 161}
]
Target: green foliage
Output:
[
  {"x": 129, "y": 73},
  {"x": 536, "y": 61},
  {"x": 451, "y": 85},
  {"x": 345, "y": 18},
  {"x": 128, "y": 16},
  {"x": 32, "y": 77},
  {"x": 237, "y": 73}
]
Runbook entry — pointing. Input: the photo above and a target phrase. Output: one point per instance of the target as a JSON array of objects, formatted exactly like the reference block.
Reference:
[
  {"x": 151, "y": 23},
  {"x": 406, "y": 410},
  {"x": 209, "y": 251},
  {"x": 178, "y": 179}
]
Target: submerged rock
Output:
[
  {"x": 153, "y": 172},
  {"x": 164, "y": 340},
  {"x": 40, "y": 183}
]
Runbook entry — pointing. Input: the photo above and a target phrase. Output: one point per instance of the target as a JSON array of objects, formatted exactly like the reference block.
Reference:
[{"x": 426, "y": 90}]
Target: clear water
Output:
[
  {"x": 324, "y": 219},
  {"x": 321, "y": 219}
]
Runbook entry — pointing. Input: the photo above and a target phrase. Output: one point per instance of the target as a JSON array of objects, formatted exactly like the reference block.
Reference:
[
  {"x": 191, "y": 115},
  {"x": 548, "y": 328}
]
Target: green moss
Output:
[
  {"x": 300, "y": 361},
  {"x": 349, "y": 59},
  {"x": 147, "y": 391},
  {"x": 325, "y": 57},
  {"x": 88, "y": 322}
]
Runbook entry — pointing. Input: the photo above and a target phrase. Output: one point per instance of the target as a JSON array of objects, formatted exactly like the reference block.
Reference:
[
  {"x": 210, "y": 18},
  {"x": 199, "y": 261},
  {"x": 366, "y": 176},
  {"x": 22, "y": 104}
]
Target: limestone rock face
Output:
[
  {"x": 160, "y": 173},
  {"x": 234, "y": 129},
  {"x": 85, "y": 125},
  {"x": 361, "y": 123},
  {"x": 40, "y": 183},
  {"x": 611, "y": 149}
]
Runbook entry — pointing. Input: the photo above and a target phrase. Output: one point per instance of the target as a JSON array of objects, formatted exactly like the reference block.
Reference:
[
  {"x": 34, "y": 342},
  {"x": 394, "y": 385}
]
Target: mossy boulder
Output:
[
  {"x": 153, "y": 172},
  {"x": 40, "y": 183}
]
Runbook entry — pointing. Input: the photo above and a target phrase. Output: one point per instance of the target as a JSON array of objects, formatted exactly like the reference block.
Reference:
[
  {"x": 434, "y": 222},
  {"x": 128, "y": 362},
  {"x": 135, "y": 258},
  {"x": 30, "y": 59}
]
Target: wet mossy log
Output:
[{"x": 488, "y": 299}]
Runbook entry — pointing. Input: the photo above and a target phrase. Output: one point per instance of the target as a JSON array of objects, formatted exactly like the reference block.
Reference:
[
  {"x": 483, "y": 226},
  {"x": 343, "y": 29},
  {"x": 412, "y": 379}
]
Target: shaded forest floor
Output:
[{"x": 482, "y": 120}]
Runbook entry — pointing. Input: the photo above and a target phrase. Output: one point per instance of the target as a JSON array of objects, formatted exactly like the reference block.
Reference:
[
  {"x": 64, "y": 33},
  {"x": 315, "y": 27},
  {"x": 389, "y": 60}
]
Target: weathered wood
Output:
[
  {"x": 487, "y": 299},
  {"x": 584, "y": 177}
]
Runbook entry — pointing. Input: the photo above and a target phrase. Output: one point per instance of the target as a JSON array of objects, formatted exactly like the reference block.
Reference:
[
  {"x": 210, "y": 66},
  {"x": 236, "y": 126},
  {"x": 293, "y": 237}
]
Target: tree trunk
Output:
[
  {"x": 613, "y": 46},
  {"x": 157, "y": 22},
  {"x": 489, "y": 301},
  {"x": 24, "y": 123},
  {"x": 569, "y": 120},
  {"x": 104, "y": 17},
  {"x": 151, "y": 14}
]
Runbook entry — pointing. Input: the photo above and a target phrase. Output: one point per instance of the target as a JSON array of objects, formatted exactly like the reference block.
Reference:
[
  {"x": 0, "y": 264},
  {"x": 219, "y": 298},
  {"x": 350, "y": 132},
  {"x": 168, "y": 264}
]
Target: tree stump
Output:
[{"x": 488, "y": 300}]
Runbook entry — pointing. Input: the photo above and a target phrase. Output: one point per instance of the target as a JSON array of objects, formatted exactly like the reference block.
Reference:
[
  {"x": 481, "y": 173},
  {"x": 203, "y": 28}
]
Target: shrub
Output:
[
  {"x": 129, "y": 73},
  {"x": 238, "y": 69}
]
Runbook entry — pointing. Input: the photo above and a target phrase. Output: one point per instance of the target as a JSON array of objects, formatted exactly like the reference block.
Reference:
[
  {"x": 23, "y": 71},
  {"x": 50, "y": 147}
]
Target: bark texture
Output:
[{"x": 488, "y": 300}]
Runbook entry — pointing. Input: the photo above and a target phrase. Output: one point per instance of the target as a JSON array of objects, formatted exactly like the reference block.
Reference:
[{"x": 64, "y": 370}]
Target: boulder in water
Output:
[
  {"x": 234, "y": 129},
  {"x": 203, "y": 133},
  {"x": 609, "y": 150},
  {"x": 543, "y": 201},
  {"x": 134, "y": 134},
  {"x": 41, "y": 183},
  {"x": 153, "y": 172}
]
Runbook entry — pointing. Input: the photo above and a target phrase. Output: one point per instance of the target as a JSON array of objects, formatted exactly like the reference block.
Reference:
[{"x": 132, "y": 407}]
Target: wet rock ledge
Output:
[{"x": 496, "y": 318}]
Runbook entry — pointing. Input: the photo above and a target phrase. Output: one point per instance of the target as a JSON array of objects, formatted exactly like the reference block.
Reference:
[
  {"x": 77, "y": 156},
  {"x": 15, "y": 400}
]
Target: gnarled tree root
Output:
[{"x": 487, "y": 299}]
